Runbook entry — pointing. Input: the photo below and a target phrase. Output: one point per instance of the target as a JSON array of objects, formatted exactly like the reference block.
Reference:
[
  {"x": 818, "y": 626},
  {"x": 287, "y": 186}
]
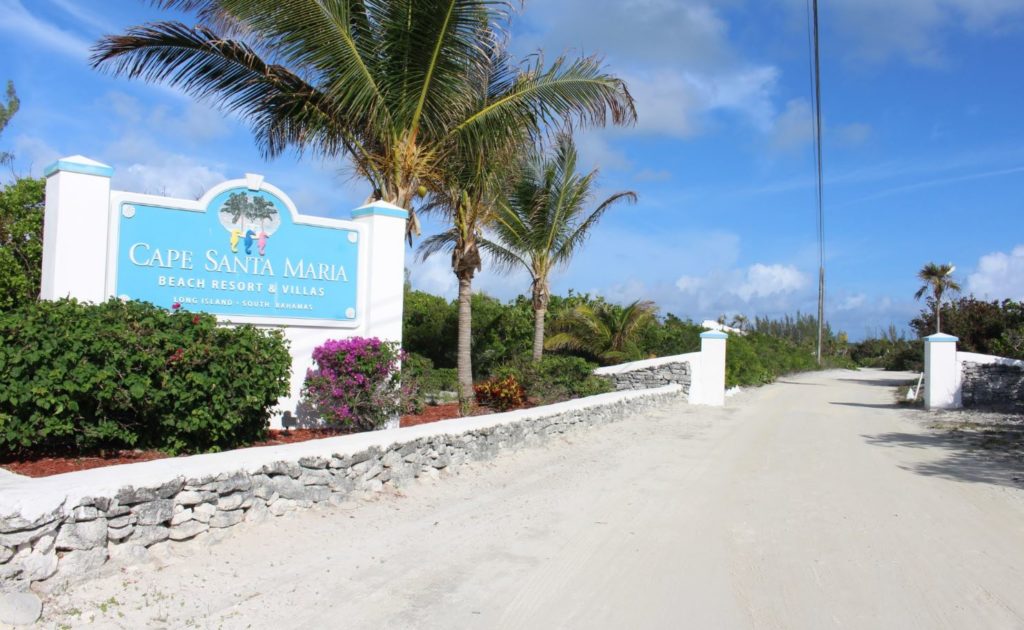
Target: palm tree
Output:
[
  {"x": 939, "y": 280},
  {"x": 467, "y": 204},
  {"x": 544, "y": 222},
  {"x": 389, "y": 84},
  {"x": 605, "y": 331}
]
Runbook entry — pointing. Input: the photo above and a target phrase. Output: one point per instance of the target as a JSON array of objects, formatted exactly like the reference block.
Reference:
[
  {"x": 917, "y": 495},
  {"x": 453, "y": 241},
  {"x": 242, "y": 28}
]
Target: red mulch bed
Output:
[{"x": 46, "y": 466}]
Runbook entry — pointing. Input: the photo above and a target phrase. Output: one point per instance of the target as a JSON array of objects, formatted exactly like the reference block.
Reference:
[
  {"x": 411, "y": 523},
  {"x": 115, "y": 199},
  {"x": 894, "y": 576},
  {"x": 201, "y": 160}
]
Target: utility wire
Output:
[{"x": 816, "y": 109}]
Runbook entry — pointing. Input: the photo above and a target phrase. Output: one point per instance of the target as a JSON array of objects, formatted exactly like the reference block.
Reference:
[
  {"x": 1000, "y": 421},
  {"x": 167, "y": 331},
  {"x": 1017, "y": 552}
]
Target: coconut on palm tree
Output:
[
  {"x": 607, "y": 332},
  {"x": 938, "y": 279},
  {"x": 544, "y": 221},
  {"x": 391, "y": 84}
]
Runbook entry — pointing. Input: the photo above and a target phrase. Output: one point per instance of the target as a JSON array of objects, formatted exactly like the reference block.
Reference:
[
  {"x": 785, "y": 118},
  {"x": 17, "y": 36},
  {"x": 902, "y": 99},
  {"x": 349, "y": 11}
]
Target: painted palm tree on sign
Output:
[
  {"x": 545, "y": 220},
  {"x": 605, "y": 331},
  {"x": 938, "y": 279},
  {"x": 389, "y": 84}
]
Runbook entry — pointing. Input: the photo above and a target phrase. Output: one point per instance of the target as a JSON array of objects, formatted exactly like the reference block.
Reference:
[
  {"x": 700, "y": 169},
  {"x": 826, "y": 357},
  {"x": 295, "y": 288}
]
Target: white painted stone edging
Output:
[
  {"x": 32, "y": 498},
  {"x": 59, "y": 529}
]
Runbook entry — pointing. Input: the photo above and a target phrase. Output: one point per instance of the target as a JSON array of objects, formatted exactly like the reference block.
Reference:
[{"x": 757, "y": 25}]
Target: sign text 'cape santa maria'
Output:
[{"x": 241, "y": 252}]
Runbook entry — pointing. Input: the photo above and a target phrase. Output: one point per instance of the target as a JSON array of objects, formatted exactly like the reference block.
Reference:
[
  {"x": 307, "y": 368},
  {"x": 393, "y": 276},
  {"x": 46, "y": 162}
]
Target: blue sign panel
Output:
[{"x": 244, "y": 255}]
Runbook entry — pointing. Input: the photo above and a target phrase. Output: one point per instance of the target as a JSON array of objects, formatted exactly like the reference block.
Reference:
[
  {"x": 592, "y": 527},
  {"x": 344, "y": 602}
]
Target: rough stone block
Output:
[
  {"x": 20, "y": 609},
  {"x": 87, "y": 535},
  {"x": 227, "y": 519},
  {"x": 146, "y": 535},
  {"x": 189, "y": 530},
  {"x": 154, "y": 512},
  {"x": 204, "y": 512}
]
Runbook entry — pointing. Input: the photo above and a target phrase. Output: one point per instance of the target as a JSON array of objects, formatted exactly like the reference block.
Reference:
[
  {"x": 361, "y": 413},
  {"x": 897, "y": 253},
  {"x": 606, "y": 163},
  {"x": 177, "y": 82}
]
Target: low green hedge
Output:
[
  {"x": 81, "y": 378},
  {"x": 555, "y": 378}
]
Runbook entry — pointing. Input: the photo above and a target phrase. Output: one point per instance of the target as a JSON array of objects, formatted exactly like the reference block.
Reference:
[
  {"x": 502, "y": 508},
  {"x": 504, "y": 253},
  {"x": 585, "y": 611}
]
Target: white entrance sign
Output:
[{"x": 242, "y": 252}]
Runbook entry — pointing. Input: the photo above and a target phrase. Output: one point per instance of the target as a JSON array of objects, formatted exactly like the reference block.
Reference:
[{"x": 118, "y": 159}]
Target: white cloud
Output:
[
  {"x": 19, "y": 23},
  {"x": 433, "y": 275},
  {"x": 35, "y": 152},
  {"x": 759, "y": 286},
  {"x": 999, "y": 275},
  {"x": 653, "y": 175},
  {"x": 169, "y": 174},
  {"x": 913, "y": 30},
  {"x": 794, "y": 127},
  {"x": 767, "y": 280}
]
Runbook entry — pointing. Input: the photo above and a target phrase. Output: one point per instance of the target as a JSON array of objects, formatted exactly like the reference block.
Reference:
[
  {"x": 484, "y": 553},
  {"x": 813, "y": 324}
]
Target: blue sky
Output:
[{"x": 924, "y": 145}]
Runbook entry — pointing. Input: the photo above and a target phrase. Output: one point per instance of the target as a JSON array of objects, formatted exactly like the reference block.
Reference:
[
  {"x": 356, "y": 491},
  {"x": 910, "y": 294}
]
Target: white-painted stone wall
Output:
[
  {"x": 701, "y": 375},
  {"x": 58, "y": 529}
]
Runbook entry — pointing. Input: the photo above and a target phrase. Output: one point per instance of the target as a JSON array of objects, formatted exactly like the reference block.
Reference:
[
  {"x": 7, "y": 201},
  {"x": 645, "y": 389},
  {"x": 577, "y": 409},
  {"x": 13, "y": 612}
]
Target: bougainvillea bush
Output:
[
  {"x": 79, "y": 378},
  {"x": 356, "y": 383}
]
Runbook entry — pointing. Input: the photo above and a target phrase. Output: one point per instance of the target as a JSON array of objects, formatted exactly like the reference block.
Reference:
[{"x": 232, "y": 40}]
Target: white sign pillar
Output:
[
  {"x": 75, "y": 229},
  {"x": 941, "y": 372},
  {"x": 707, "y": 386},
  {"x": 385, "y": 290}
]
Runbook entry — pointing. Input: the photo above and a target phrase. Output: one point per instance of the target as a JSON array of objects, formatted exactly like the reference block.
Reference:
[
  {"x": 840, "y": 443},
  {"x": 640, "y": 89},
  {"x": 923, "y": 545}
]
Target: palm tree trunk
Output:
[
  {"x": 464, "y": 355},
  {"x": 538, "y": 333}
]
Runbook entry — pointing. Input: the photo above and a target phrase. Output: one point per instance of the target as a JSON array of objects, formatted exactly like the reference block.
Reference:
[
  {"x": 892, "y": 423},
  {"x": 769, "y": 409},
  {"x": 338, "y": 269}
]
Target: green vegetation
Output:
[
  {"x": 21, "y": 242},
  {"x": 81, "y": 378},
  {"x": 995, "y": 327},
  {"x": 503, "y": 342},
  {"x": 542, "y": 222}
]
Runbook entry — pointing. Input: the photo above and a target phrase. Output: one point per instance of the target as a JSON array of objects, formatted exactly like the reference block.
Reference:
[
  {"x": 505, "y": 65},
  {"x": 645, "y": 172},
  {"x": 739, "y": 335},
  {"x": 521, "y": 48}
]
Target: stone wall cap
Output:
[
  {"x": 714, "y": 334},
  {"x": 79, "y": 164},
  {"x": 380, "y": 208},
  {"x": 632, "y": 366}
]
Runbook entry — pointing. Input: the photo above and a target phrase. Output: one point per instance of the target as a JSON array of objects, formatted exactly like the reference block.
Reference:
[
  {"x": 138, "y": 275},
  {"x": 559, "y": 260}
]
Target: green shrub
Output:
[
  {"x": 424, "y": 383},
  {"x": 757, "y": 358},
  {"x": 555, "y": 378},
  {"x": 79, "y": 378},
  {"x": 500, "y": 394}
]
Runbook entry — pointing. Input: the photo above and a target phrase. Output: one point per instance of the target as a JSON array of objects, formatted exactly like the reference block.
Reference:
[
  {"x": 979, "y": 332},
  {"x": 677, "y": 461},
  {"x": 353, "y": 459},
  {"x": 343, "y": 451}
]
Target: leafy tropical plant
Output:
[
  {"x": 396, "y": 86},
  {"x": 544, "y": 221},
  {"x": 938, "y": 279},
  {"x": 607, "y": 332}
]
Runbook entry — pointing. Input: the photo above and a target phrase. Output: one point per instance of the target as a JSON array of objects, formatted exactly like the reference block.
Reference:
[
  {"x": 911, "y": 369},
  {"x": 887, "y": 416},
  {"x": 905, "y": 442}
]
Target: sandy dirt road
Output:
[{"x": 811, "y": 503}]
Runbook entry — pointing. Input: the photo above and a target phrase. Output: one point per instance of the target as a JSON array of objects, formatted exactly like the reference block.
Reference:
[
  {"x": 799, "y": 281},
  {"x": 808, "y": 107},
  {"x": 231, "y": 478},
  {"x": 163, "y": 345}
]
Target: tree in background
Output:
[
  {"x": 21, "y": 227},
  {"x": 939, "y": 280},
  {"x": 607, "y": 332},
  {"x": 392, "y": 85},
  {"x": 544, "y": 221},
  {"x": 6, "y": 113},
  {"x": 21, "y": 242}
]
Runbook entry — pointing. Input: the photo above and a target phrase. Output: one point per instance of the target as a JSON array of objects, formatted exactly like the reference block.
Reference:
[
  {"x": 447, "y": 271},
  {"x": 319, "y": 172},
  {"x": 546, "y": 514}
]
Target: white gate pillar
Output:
[
  {"x": 941, "y": 372},
  {"x": 75, "y": 229},
  {"x": 707, "y": 385},
  {"x": 385, "y": 290}
]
